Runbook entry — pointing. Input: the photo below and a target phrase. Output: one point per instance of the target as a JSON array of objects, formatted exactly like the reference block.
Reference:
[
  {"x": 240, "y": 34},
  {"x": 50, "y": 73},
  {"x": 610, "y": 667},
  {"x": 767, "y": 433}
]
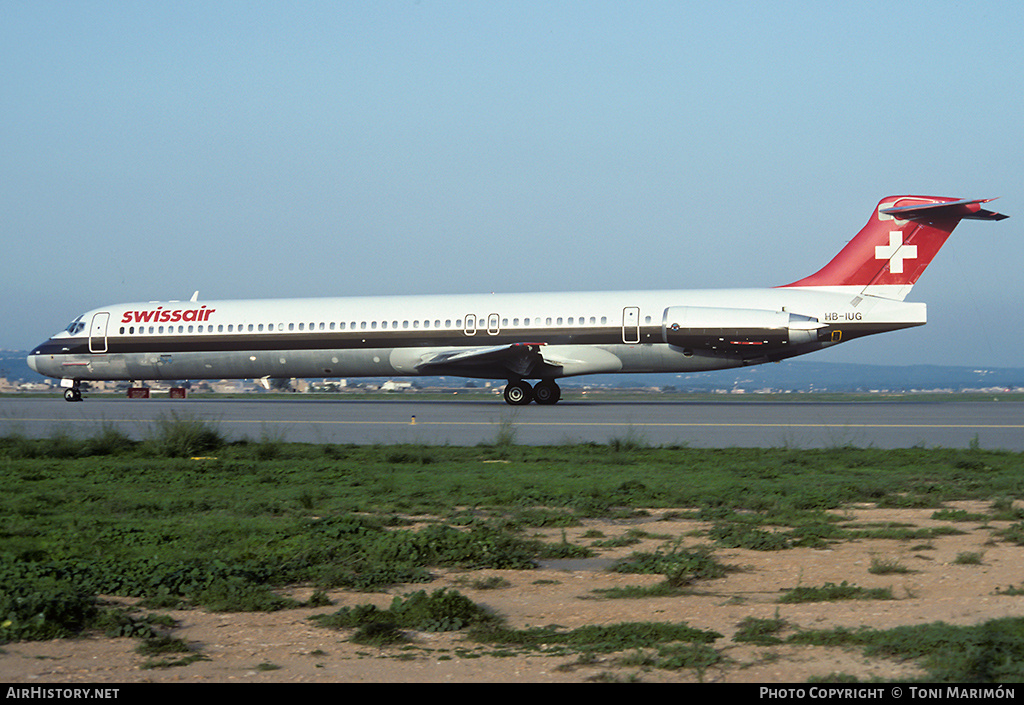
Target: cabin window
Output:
[
  {"x": 604, "y": 320},
  {"x": 448, "y": 323},
  {"x": 405, "y": 324},
  {"x": 362, "y": 325},
  {"x": 437, "y": 324},
  {"x": 415, "y": 324},
  {"x": 547, "y": 321},
  {"x": 559, "y": 320},
  {"x": 332, "y": 325},
  {"x": 373, "y": 325}
]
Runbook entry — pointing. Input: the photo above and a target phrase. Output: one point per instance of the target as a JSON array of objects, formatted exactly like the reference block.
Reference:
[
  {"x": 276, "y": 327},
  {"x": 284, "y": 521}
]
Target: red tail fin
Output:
[{"x": 899, "y": 241}]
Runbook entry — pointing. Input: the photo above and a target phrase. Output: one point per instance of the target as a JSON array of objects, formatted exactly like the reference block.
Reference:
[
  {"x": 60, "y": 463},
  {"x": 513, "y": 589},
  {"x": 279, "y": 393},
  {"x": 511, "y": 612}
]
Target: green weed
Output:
[
  {"x": 763, "y": 632},
  {"x": 887, "y": 566},
  {"x": 680, "y": 567},
  {"x": 991, "y": 652},
  {"x": 830, "y": 592},
  {"x": 593, "y": 638},
  {"x": 440, "y": 611},
  {"x": 181, "y": 436}
]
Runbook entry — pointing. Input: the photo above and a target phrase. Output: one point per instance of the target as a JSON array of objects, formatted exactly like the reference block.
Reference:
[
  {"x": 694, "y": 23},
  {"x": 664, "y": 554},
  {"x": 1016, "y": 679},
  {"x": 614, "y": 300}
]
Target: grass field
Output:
[{"x": 188, "y": 518}]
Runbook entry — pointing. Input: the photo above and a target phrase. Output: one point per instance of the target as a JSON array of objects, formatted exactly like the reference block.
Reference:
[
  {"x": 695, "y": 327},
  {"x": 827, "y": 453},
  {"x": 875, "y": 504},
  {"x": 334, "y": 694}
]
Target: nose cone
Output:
[{"x": 32, "y": 363}]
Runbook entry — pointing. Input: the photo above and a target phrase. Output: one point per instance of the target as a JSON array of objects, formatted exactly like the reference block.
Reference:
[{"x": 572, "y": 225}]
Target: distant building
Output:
[{"x": 393, "y": 386}]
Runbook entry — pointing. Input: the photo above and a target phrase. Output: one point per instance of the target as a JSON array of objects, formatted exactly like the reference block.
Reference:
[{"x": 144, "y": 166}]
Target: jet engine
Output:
[{"x": 736, "y": 330}]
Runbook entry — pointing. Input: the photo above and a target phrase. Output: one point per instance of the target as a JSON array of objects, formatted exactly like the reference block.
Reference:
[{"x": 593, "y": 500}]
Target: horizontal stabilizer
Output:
[{"x": 965, "y": 209}]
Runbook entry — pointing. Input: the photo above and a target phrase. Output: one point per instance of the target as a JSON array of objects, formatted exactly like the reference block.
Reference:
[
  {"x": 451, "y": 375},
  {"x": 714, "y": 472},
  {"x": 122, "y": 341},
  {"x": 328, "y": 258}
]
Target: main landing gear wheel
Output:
[
  {"x": 518, "y": 393},
  {"x": 547, "y": 392}
]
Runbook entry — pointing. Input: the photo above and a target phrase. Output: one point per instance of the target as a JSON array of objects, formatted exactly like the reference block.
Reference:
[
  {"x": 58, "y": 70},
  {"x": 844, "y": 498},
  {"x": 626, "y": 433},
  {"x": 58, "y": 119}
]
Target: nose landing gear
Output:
[{"x": 73, "y": 393}]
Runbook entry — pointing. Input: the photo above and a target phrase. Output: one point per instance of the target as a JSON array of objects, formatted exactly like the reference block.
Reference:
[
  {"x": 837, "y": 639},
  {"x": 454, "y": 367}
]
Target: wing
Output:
[{"x": 512, "y": 360}]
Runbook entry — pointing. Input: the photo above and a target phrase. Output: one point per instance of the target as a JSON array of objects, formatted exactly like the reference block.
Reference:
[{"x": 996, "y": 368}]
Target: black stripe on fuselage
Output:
[{"x": 353, "y": 340}]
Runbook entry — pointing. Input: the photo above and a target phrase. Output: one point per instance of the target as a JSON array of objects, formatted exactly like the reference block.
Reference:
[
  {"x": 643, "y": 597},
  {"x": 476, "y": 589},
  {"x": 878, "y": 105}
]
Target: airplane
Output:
[{"x": 520, "y": 337}]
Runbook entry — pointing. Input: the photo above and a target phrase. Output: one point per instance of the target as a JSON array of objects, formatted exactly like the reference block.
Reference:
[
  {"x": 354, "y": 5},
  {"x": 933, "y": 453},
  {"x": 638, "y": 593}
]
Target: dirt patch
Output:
[{"x": 287, "y": 647}]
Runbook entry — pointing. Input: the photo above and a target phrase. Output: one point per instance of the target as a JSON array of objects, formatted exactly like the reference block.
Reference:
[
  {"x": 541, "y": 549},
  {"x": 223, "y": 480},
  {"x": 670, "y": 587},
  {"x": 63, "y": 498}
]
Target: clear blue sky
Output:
[{"x": 250, "y": 149}]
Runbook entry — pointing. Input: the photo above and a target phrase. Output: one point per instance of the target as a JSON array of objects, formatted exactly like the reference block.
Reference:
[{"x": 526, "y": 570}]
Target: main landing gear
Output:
[{"x": 519, "y": 392}]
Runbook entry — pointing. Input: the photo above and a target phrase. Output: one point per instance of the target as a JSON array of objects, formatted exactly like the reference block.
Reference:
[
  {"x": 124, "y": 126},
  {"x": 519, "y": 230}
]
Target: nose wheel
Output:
[
  {"x": 73, "y": 394},
  {"x": 519, "y": 392}
]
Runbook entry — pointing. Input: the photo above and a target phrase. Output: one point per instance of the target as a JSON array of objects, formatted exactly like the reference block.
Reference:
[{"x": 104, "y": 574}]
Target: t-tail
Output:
[{"x": 899, "y": 241}]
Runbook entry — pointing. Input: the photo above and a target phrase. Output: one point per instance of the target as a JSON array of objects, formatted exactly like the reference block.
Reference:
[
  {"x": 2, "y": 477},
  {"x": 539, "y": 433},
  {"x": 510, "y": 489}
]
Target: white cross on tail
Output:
[{"x": 896, "y": 252}]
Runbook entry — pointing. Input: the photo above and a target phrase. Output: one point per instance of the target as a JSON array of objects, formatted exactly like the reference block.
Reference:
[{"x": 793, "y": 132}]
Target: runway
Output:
[{"x": 706, "y": 424}]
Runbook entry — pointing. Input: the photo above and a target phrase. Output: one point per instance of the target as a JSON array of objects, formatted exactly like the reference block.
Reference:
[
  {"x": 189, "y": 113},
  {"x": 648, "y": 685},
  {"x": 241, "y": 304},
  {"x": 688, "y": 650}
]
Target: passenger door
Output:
[{"x": 98, "y": 332}]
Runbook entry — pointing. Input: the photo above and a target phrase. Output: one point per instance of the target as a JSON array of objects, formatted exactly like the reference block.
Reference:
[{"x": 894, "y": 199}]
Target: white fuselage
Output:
[{"x": 576, "y": 333}]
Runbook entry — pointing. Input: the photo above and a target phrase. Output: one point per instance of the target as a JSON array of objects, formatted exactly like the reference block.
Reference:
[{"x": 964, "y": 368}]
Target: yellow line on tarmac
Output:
[{"x": 664, "y": 424}]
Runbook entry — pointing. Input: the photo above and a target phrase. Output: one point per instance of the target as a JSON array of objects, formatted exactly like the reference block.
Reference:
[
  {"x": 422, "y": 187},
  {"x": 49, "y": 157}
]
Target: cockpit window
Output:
[{"x": 75, "y": 327}]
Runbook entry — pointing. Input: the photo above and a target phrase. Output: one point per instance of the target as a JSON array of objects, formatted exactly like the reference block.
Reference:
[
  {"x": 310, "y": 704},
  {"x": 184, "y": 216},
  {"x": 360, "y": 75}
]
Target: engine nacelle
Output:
[{"x": 737, "y": 330}]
